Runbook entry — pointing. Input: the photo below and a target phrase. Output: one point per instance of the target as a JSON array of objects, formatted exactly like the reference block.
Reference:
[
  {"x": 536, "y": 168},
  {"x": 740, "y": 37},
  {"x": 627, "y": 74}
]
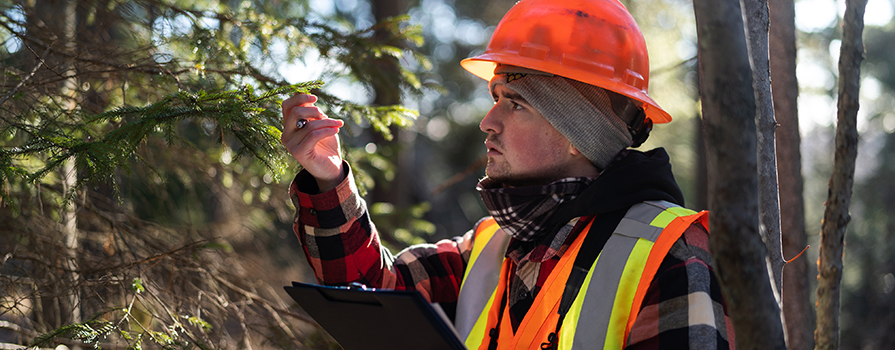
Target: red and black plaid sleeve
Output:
[
  {"x": 342, "y": 245},
  {"x": 683, "y": 307}
]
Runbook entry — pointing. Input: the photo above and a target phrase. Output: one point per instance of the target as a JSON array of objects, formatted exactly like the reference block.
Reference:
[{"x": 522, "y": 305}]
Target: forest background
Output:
[{"x": 144, "y": 196}]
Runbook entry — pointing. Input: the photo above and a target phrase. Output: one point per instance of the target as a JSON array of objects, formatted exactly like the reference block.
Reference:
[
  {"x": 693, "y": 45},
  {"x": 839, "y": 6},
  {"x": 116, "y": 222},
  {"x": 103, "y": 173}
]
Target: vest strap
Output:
[
  {"x": 593, "y": 244},
  {"x": 677, "y": 226},
  {"x": 490, "y": 244}
]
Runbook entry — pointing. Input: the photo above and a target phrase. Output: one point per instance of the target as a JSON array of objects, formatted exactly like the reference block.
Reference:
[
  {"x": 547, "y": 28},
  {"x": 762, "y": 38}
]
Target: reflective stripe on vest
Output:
[
  {"x": 620, "y": 277},
  {"x": 478, "y": 297}
]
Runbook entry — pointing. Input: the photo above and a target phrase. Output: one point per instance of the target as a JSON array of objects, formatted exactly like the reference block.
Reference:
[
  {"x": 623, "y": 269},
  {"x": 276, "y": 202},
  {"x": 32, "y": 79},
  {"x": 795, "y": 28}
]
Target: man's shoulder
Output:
[{"x": 693, "y": 243}]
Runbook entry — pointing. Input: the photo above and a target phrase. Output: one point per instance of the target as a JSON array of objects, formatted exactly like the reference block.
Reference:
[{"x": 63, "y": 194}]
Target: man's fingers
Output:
[
  {"x": 297, "y": 100},
  {"x": 306, "y": 112},
  {"x": 309, "y": 113},
  {"x": 315, "y": 147},
  {"x": 314, "y": 123},
  {"x": 311, "y": 133},
  {"x": 315, "y": 136},
  {"x": 312, "y": 117}
]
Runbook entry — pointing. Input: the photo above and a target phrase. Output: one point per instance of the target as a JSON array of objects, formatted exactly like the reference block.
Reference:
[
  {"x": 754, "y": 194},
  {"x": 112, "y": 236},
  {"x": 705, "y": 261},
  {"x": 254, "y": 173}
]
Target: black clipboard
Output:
[{"x": 360, "y": 318}]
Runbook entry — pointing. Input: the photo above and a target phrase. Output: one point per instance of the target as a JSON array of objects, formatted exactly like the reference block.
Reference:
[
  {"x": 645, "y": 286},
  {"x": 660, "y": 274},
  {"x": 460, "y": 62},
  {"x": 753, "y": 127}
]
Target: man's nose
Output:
[{"x": 490, "y": 123}]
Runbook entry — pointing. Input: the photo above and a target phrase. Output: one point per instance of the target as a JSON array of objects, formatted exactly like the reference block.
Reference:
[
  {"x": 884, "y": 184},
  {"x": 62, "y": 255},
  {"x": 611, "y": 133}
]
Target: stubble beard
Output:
[{"x": 503, "y": 174}]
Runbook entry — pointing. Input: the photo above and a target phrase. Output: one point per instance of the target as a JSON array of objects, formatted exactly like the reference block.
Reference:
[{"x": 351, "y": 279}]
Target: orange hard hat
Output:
[{"x": 592, "y": 41}]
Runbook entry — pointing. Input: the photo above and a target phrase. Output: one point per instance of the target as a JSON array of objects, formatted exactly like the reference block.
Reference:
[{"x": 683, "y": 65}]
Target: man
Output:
[{"x": 587, "y": 245}]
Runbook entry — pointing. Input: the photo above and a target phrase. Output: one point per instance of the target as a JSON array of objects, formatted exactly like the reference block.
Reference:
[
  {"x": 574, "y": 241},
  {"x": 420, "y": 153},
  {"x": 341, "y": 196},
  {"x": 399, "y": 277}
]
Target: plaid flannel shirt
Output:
[{"x": 683, "y": 307}]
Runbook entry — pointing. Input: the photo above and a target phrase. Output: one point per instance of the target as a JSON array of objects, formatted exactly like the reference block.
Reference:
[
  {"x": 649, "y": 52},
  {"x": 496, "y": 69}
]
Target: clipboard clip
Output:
[{"x": 358, "y": 285}]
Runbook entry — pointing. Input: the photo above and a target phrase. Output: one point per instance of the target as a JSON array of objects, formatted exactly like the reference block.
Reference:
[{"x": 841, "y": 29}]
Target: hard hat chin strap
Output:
[
  {"x": 640, "y": 130},
  {"x": 634, "y": 116}
]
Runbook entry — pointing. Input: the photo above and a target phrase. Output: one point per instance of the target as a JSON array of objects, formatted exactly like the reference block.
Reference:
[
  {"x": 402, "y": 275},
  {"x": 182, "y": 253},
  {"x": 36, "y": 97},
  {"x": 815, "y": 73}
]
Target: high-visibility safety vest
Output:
[{"x": 607, "y": 303}]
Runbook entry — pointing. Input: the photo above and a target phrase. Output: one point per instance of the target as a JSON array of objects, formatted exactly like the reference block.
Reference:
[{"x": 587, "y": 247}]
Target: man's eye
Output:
[{"x": 516, "y": 105}]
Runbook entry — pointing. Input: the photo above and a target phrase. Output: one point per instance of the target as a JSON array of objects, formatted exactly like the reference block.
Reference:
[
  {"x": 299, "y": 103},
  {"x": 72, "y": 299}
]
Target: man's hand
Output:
[{"x": 312, "y": 139}]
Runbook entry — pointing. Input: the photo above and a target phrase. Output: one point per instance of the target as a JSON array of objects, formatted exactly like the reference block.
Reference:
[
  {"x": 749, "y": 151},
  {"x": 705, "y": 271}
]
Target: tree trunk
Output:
[
  {"x": 395, "y": 192},
  {"x": 69, "y": 171},
  {"x": 836, "y": 217},
  {"x": 702, "y": 181},
  {"x": 728, "y": 105},
  {"x": 400, "y": 190},
  {"x": 768, "y": 196},
  {"x": 797, "y": 309}
]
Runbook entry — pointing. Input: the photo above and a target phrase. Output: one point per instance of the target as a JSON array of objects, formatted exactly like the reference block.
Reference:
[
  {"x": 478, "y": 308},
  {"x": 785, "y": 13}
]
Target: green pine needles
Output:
[
  {"x": 109, "y": 142},
  {"x": 90, "y": 332},
  {"x": 99, "y": 152}
]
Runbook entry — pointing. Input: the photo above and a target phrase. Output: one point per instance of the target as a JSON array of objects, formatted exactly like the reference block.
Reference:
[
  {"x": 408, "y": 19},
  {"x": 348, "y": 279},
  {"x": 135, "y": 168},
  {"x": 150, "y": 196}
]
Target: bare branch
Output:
[
  {"x": 836, "y": 217},
  {"x": 758, "y": 23},
  {"x": 23, "y": 81}
]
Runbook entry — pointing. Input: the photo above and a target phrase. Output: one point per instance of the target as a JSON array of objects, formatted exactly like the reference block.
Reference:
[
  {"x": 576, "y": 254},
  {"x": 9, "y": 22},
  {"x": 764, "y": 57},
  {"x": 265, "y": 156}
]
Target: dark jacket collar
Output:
[{"x": 634, "y": 178}]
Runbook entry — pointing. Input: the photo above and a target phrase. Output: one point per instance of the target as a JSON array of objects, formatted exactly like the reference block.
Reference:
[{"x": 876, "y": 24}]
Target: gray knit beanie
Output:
[{"x": 594, "y": 120}]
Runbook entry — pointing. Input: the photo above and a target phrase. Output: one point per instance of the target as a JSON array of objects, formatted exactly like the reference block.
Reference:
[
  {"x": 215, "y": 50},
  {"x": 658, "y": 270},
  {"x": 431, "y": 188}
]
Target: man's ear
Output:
[{"x": 573, "y": 150}]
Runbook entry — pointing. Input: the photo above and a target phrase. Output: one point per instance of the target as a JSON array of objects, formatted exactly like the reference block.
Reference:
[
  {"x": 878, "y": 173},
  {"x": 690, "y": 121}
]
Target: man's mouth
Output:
[{"x": 492, "y": 146}]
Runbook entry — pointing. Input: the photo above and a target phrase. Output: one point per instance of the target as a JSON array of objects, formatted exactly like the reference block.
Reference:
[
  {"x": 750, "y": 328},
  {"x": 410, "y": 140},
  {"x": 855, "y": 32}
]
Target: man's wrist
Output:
[
  {"x": 309, "y": 184},
  {"x": 326, "y": 185}
]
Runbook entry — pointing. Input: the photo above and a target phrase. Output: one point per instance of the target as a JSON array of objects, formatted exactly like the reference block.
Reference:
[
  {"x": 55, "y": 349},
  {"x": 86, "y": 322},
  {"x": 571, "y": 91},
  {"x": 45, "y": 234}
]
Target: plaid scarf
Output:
[{"x": 522, "y": 212}]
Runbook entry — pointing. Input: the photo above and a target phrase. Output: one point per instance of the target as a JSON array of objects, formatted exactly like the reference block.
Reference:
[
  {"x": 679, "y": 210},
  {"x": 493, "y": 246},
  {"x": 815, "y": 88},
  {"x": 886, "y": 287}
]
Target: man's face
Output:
[{"x": 523, "y": 148}]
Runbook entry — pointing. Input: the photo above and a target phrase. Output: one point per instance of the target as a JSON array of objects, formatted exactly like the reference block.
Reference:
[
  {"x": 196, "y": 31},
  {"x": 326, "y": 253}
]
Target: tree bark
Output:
[
  {"x": 702, "y": 181},
  {"x": 797, "y": 309},
  {"x": 386, "y": 94},
  {"x": 836, "y": 217},
  {"x": 69, "y": 170},
  {"x": 758, "y": 24},
  {"x": 728, "y": 105}
]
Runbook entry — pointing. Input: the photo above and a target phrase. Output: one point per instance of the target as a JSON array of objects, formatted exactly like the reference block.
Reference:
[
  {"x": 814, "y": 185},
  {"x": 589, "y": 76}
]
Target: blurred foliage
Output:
[
  {"x": 868, "y": 306},
  {"x": 170, "y": 113}
]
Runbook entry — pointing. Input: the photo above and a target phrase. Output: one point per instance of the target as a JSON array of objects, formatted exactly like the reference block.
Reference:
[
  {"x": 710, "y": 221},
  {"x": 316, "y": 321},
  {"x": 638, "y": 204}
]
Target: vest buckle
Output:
[{"x": 551, "y": 343}]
